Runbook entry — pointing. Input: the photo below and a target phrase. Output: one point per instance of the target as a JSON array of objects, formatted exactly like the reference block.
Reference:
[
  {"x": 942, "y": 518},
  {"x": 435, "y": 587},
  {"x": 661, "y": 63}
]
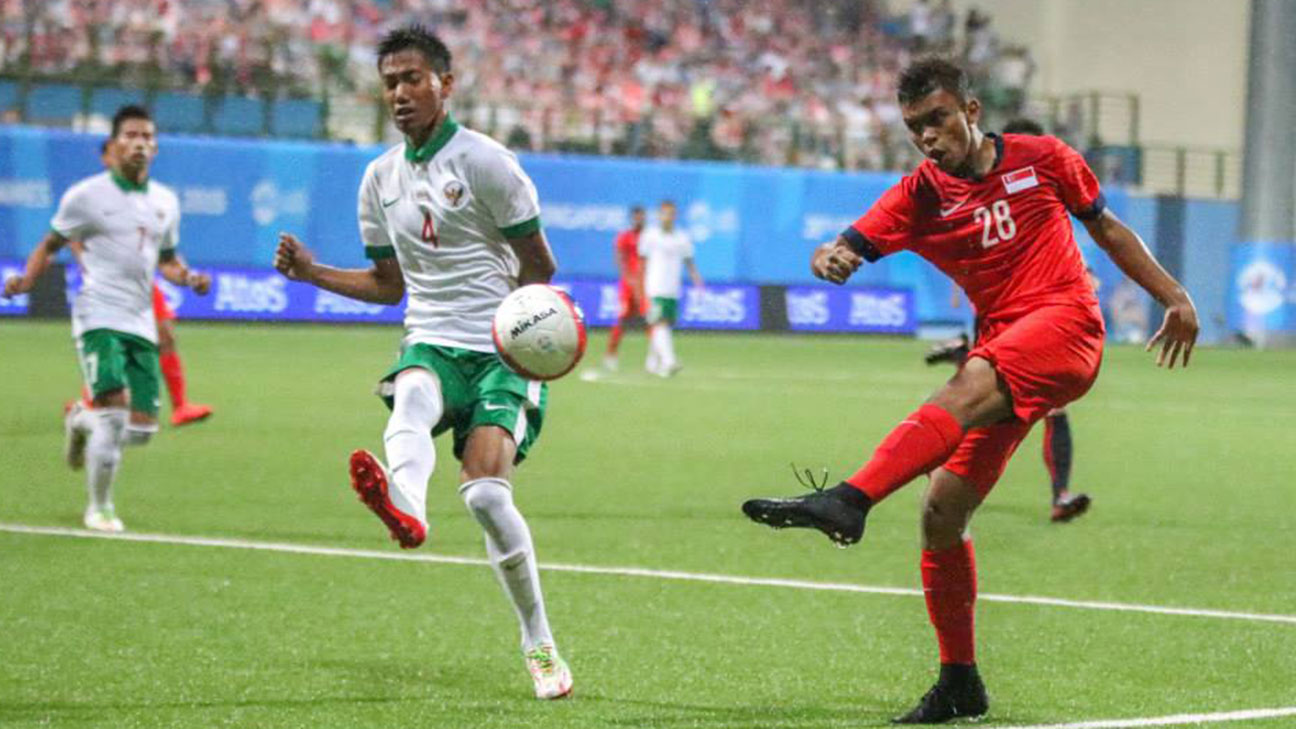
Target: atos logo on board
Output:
[
  {"x": 715, "y": 306},
  {"x": 250, "y": 294},
  {"x": 810, "y": 309},
  {"x": 878, "y": 310}
]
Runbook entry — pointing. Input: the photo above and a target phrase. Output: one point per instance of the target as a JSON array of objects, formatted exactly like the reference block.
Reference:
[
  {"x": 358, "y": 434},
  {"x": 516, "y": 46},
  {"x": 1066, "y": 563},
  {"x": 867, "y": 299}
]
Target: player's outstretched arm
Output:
[
  {"x": 1178, "y": 332},
  {"x": 835, "y": 261},
  {"x": 538, "y": 264},
  {"x": 381, "y": 284},
  {"x": 174, "y": 269},
  {"x": 37, "y": 263}
]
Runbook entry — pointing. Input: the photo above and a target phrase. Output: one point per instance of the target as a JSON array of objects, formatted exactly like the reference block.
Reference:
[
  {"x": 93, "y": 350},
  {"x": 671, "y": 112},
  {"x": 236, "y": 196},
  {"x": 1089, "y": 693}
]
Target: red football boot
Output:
[{"x": 369, "y": 479}]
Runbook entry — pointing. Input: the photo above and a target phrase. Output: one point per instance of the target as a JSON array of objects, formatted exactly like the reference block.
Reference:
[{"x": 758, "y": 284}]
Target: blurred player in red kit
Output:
[
  {"x": 633, "y": 303},
  {"x": 991, "y": 212},
  {"x": 1058, "y": 447}
]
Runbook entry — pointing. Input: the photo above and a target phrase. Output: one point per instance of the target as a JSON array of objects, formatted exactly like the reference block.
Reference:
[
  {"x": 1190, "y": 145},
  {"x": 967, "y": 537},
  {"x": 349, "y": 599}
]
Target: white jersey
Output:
[
  {"x": 664, "y": 255},
  {"x": 444, "y": 211},
  {"x": 123, "y": 227}
]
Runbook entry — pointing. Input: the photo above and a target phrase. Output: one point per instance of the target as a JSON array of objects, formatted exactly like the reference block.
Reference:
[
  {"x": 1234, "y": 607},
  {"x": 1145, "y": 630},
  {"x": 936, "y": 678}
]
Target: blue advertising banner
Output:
[
  {"x": 750, "y": 225},
  {"x": 17, "y": 306},
  {"x": 246, "y": 294},
  {"x": 1262, "y": 298},
  {"x": 866, "y": 311}
]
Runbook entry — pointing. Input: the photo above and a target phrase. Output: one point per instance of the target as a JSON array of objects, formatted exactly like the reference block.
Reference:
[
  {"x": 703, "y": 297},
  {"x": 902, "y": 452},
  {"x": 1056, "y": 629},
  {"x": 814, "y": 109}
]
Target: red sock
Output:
[
  {"x": 949, "y": 584},
  {"x": 614, "y": 339},
  {"x": 925, "y": 439},
  {"x": 173, "y": 373}
]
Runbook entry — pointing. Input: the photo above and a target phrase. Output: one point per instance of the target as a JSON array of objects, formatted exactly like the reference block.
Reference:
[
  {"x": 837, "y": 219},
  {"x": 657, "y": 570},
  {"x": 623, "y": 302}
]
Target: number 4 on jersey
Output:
[
  {"x": 995, "y": 219},
  {"x": 429, "y": 230}
]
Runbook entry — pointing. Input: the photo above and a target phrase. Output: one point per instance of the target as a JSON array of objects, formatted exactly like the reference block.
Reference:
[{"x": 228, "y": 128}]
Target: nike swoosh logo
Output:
[
  {"x": 488, "y": 406},
  {"x": 945, "y": 212},
  {"x": 391, "y": 202}
]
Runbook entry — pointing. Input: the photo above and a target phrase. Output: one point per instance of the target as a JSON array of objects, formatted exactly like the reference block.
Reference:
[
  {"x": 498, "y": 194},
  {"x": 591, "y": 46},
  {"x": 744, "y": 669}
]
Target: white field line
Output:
[
  {"x": 638, "y": 572},
  {"x": 1176, "y": 720}
]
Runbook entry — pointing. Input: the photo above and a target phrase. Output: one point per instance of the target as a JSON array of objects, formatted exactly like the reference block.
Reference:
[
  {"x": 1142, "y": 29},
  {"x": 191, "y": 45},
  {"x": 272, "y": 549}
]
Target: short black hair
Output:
[
  {"x": 929, "y": 74},
  {"x": 126, "y": 113},
  {"x": 103, "y": 148},
  {"x": 1023, "y": 125},
  {"x": 636, "y": 209},
  {"x": 419, "y": 38},
  {"x": 666, "y": 202}
]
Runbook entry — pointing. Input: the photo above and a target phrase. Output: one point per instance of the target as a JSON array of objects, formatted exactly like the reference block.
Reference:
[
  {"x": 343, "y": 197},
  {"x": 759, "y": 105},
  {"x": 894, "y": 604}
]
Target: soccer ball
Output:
[{"x": 539, "y": 332}]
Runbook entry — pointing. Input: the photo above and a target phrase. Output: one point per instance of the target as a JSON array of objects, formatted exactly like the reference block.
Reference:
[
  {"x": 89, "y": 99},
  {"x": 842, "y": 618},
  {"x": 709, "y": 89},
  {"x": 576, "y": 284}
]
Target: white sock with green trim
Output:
[
  {"x": 512, "y": 555},
  {"x": 411, "y": 457},
  {"x": 107, "y": 428}
]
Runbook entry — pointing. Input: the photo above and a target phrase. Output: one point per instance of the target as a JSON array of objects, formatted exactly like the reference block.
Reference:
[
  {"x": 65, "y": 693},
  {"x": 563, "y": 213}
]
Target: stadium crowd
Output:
[{"x": 774, "y": 82}]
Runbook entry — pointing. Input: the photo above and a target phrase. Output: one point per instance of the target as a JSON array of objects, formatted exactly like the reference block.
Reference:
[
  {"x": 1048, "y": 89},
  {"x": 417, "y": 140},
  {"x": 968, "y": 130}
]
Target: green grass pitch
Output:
[{"x": 1191, "y": 472}]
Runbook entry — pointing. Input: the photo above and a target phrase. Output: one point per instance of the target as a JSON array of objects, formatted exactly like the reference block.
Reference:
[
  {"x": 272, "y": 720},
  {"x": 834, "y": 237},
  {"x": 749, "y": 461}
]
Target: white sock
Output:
[
  {"x": 138, "y": 434},
  {"x": 508, "y": 544},
  {"x": 107, "y": 428},
  {"x": 408, "y": 438},
  {"x": 667, "y": 348},
  {"x": 654, "y": 349}
]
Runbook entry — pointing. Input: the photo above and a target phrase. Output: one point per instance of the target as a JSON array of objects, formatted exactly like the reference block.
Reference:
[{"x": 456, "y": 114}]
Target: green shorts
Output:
[
  {"x": 112, "y": 360},
  {"x": 663, "y": 309},
  {"x": 477, "y": 389}
]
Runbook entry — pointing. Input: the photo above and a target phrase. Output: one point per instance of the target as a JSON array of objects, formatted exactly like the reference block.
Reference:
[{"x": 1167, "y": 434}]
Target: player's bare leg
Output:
[
  {"x": 398, "y": 496},
  {"x": 487, "y": 466},
  {"x": 183, "y": 412},
  {"x": 949, "y": 585},
  {"x": 975, "y": 396}
]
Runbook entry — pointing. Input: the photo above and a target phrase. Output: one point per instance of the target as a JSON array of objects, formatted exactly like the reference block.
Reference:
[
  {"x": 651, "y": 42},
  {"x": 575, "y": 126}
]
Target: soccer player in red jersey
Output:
[
  {"x": 991, "y": 212},
  {"x": 633, "y": 303},
  {"x": 1057, "y": 424}
]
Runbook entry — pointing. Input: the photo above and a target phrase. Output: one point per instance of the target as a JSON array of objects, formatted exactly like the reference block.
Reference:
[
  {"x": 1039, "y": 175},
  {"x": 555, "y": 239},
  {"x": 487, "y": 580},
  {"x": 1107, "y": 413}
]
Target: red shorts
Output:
[
  {"x": 1047, "y": 358},
  {"x": 631, "y": 303},
  {"x": 161, "y": 311}
]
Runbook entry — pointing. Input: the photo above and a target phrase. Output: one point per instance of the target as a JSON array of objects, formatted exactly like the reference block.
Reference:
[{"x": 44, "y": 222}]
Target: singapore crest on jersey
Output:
[{"x": 1019, "y": 180}]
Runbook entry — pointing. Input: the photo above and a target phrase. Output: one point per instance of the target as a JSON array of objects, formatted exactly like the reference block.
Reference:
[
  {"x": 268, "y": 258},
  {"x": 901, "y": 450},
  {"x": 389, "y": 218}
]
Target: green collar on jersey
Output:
[
  {"x": 128, "y": 185},
  {"x": 434, "y": 144}
]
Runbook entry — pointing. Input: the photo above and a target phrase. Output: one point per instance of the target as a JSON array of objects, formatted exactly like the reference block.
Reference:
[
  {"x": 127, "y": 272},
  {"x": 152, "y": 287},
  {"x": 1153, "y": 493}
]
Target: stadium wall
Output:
[
  {"x": 753, "y": 227},
  {"x": 1191, "y": 57}
]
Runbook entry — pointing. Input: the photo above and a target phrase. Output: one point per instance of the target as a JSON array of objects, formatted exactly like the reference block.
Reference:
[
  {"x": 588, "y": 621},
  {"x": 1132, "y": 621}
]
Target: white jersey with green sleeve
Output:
[
  {"x": 123, "y": 227},
  {"x": 664, "y": 253},
  {"x": 445, "y": 211}
]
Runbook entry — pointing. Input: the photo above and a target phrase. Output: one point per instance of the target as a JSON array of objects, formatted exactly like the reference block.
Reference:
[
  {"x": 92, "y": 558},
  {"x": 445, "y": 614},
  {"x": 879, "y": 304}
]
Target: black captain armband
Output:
[
  {"x": 1094, "y": 211},
  {"x": 166, "y": 254},
  {"x": 860, "y": 245}
]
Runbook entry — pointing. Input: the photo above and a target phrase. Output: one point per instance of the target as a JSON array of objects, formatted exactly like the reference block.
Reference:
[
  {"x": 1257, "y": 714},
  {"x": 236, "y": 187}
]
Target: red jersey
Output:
[
  {"x": 1005, "y": 239},
  {"x": 627, "y": 251}
]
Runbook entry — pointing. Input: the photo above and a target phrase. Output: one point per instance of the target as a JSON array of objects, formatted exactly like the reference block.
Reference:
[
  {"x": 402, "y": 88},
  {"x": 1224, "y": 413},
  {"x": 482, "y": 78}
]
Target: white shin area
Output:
[
  {"x": 411, "y": 456},
  {"x": 106, "y": 428},
  {"x": 511, "y": 553}
]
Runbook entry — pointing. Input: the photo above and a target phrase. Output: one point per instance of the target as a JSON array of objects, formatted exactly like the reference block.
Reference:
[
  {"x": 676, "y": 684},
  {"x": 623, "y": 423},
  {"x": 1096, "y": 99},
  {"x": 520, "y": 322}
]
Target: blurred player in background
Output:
[
  {"x": 991, "y": 213},
  {"x": 666, "y": 251},
  {"x": 129, "y": 228},
  {"x": 1058, "y": 450},
  {"x": 183, "y": 412},
  {"x": 633, "y": 302},
  {"x": 449, "y": 218}
]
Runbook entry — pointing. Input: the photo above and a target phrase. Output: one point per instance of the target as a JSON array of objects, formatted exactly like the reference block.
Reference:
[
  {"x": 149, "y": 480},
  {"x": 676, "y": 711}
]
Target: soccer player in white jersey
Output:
[
  {"x": 129, "y": 227},
  {"x": 666, "y": 251},
  {"x": 450, "y": 219}
]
